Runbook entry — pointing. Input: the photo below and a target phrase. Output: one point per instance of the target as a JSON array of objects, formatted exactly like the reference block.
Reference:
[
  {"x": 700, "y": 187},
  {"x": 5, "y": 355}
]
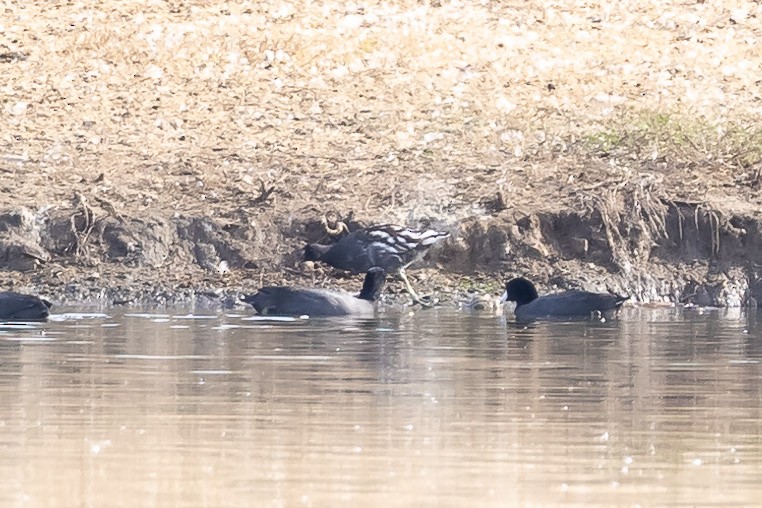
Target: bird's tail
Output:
[
  {"x": 619, "y": 300},
  {"x": 430, "y": 237}
]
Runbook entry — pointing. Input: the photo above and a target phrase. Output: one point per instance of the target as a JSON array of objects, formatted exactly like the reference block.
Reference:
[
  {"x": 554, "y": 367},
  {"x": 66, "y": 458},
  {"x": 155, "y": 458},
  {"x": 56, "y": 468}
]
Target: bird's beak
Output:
[{"x": 504, "y": 298}]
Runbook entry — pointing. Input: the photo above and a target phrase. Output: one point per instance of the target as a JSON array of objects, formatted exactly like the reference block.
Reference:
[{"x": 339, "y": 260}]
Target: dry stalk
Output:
[{"x": 81, "y": 237}]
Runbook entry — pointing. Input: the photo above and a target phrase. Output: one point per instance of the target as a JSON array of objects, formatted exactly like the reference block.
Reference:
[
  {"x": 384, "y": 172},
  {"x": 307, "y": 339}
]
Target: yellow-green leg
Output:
[{"x": 426, "y": 301}]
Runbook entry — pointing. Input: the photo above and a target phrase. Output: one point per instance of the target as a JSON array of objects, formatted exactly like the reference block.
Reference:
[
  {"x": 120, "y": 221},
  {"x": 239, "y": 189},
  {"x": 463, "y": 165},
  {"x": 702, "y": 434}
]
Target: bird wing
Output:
[
  {"x": 403, "y": 238},
  {"x": 570, "y": 303},
  {"x": 390, "y": 246},
  {"x": 16, "y": 305},
  {"x": 279, "y": 300},
  {"x": 385, "y": 245}
]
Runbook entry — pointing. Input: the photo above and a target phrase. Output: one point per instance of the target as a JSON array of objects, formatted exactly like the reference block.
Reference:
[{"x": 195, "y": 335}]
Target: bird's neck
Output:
[{"x": 315, "y": 251}]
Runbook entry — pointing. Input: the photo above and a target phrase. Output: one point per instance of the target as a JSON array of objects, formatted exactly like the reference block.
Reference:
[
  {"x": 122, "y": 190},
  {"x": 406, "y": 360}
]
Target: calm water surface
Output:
[{"x": 437, "y": 408}]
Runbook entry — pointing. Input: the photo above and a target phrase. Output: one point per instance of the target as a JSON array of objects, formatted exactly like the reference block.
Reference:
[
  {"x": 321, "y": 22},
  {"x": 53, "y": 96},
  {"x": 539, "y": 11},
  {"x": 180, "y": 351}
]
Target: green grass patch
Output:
[{"x": 678, "y": 138}]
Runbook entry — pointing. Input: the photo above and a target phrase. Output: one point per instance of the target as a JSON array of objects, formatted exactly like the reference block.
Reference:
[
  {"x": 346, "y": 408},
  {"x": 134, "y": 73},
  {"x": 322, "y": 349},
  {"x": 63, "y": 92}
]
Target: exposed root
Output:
[
  {"x": 109, "y": 207},
  {"x": 714, "y": 222},
  {"x": 714, "y": 219},
  {"x": 680, "y": 220},
  {"x": 81, "y": 237},
  {"x": 264, "y": 193},
  {"x": 631, "y": 238}
]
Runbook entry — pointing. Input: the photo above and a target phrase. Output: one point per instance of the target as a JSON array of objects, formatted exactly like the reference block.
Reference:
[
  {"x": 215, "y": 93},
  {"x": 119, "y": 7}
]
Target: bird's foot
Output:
[
  {"x": 425, "y": 301},
  {"x": 428, "y": 301}
]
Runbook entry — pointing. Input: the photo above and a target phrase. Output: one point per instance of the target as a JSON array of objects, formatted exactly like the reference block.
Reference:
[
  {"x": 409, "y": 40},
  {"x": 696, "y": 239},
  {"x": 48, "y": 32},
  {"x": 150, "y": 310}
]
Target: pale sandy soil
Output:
[{"x": 403, "y": 111}]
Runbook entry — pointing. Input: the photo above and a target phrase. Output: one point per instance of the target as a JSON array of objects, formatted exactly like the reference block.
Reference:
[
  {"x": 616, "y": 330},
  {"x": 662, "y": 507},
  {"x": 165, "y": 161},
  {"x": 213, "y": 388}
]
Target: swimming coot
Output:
[
  {"x": 17, "y": 307},
  {"x": 393, "y": 248},
  {"x": 290, "y": 301},
  {"x": 569, "y": 304}
]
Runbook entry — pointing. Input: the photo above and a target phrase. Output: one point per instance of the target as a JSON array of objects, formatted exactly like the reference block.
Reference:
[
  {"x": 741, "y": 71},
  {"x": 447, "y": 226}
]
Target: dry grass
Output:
[
  {"x": 680, "y": 139},
  {"x": 397, "y": 110}
]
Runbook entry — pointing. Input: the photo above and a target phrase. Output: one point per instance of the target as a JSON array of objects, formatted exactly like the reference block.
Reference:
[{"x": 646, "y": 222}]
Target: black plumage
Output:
[
  {"x": 19, "y": 307},
  {"x": 393, "y": 248},
  {"x": 569, "y": 304},
  {"x": 316, "y": 302}
]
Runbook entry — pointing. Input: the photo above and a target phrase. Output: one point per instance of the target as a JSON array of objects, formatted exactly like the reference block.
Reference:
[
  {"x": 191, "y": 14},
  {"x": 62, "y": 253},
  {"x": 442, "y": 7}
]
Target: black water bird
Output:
[
  {"x": 316, "y": 302},
  {"x": 19, "y": 307},
  {"x": 569, "y": 304},
  {"x": 393, "y": 248}
]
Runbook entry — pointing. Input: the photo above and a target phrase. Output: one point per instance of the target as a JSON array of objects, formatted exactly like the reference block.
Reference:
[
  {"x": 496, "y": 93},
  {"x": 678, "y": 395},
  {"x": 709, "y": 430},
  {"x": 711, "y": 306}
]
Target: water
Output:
[{"x": 437, "y": 408}]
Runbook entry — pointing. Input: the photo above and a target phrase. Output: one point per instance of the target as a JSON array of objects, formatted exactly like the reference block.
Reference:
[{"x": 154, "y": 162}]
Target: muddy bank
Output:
[
  {"x": 175, "y": 152},
  {"x": 653, "y": 248}
]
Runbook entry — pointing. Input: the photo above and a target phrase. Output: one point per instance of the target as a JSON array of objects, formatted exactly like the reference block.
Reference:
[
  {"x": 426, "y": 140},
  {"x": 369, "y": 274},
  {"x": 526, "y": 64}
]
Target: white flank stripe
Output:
[
  {"x": 379, "y": 234},
  {"x": 385, "y": 247}
]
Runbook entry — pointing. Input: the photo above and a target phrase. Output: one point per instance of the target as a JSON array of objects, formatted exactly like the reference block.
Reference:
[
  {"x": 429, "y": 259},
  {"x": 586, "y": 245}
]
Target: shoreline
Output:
[
  {"x": 147, "y": 148},
  {"x": 683, "y": 253}
]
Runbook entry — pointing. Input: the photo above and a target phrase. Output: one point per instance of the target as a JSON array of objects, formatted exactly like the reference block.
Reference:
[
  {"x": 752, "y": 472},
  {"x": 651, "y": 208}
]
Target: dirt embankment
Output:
[
  {"x": 655, "y": 251},
  {"x": 187, "y": 150}
]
